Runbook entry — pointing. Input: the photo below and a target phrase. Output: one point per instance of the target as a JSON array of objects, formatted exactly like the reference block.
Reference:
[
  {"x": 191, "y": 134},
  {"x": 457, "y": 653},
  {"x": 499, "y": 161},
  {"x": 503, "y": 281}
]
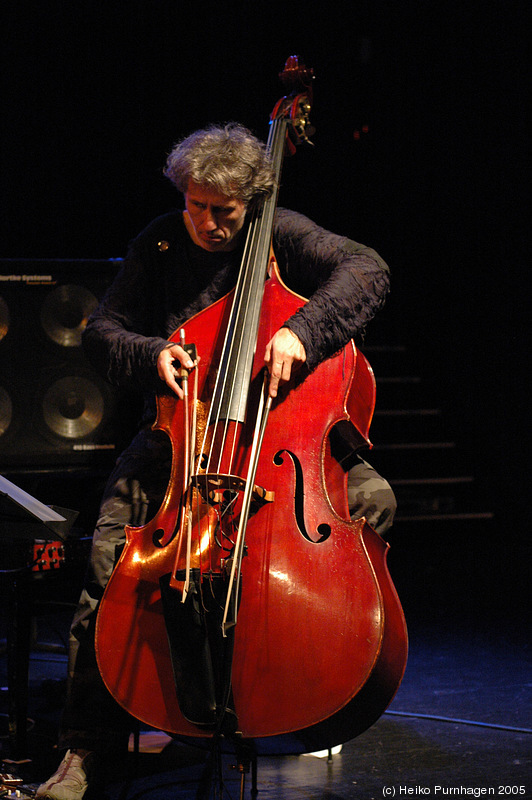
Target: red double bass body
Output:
[{"x": 320, "y": 641}]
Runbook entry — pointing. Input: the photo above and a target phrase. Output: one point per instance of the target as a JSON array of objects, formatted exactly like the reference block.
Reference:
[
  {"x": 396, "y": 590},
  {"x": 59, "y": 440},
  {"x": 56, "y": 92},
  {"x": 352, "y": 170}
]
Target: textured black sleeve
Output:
[
  {"x": 123, "y": 338},
  {"x": 346, "y": 284}
]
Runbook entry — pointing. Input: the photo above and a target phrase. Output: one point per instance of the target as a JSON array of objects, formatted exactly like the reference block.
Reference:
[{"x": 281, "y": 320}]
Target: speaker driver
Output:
[
  {"x": 4, "y": 319},
  {"x": 73, "y": 407},
  {"x": 65, "y": 312},
  {"x": 6, "y": 411}
]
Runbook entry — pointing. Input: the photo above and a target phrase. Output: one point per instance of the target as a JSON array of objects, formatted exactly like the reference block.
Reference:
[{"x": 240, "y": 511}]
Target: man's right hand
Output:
[{"x": 166, "y": 368}]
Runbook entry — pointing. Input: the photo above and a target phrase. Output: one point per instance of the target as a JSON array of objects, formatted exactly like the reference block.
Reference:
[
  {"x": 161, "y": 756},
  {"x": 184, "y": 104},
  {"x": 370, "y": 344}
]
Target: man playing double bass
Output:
[{"x": 180, "y": 264}]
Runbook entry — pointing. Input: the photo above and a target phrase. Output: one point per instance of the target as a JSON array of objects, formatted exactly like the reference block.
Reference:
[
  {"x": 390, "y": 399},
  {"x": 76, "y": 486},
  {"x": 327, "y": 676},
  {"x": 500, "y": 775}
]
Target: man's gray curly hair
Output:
[{"x": 226, "y": 158}]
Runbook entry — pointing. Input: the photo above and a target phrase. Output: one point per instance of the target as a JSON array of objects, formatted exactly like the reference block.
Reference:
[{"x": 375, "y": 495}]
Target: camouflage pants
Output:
[
  {"x": 92, "y": 719},
  {"x": 370, "y": 496}
]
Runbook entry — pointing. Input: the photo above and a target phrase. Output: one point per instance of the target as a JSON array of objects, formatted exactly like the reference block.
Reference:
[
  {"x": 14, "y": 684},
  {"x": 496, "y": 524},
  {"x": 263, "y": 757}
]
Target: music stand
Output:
[
  {"x": 23, "y": 519},
  {"x": 22, "y": 516}
]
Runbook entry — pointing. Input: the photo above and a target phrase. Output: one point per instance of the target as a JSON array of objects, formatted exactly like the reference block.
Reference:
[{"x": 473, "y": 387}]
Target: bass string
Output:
[{"x": 239, "y": 345}]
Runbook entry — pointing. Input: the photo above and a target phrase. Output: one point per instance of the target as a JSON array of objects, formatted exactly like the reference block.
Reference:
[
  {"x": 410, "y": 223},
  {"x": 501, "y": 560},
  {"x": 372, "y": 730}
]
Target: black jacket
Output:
[{"x": 165, "y": 279}]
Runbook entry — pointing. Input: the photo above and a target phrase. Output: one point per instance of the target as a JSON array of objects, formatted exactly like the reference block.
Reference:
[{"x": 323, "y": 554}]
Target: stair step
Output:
[
  {"x": 394, "y": 418},
  {"x": 449, "y": 517},
  {"x": 415, "y": 446},
  {"x": 432, "y": 481},
  {"x": 370, "y": 349},
  {"x": 385, "y": 353},
  {"x": 387, "y": 360},
  {"x": 394, "y": 391},
  {"x": 400, "y": 379},
  {"x": 434, "y": 495},
  {"x": 396, "y": 424},
  {"x": 412, "y": 442},
  {"x": 408, "y": 460},
  {"x": 408, "y": 412}
]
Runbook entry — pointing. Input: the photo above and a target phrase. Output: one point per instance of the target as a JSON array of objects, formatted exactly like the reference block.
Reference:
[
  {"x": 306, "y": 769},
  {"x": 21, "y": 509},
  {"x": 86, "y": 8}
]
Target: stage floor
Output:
[{"x": 460, "y": 724}]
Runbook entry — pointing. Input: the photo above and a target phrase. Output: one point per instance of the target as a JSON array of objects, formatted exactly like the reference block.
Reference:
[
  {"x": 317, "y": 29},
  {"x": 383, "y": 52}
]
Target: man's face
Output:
[{"x": 213, "y": 220}]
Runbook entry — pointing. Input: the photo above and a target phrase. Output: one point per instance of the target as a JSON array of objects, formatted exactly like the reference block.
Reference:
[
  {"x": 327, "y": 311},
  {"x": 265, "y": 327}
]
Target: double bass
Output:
[{"x": 250, "y": 607}]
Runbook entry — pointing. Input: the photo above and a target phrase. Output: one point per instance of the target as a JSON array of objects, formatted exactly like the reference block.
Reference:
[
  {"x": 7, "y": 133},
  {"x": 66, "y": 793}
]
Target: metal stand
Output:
[
  {"x": 18, "y": 656},
  {"x": 23, "y": 520},
  {"x": 247, "y": 760},
  {"x": 212, "y": 784}
]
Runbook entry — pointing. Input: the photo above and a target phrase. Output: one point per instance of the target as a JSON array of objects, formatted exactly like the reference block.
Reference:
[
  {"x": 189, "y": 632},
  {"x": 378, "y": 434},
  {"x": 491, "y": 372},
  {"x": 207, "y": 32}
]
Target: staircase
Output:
[
  {"x": 441, "y": 526},
  {"x": 414, "y": 447}
]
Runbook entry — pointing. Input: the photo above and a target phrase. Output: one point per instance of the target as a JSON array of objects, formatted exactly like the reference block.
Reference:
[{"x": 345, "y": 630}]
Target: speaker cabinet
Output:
[{"x": 55, "y": 410}]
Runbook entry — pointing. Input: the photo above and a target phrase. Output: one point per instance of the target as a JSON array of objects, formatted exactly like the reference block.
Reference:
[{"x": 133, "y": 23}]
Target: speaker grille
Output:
[{"x": 55, "y": 410}]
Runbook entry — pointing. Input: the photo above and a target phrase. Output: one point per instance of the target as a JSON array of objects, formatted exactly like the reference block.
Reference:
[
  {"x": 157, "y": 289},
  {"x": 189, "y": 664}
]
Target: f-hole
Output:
[{"x": 323, "y": 529}]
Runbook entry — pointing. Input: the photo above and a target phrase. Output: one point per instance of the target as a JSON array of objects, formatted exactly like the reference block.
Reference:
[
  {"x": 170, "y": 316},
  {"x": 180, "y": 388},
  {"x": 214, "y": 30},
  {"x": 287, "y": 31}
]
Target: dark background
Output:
[{"x": 94, "y": 94}]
